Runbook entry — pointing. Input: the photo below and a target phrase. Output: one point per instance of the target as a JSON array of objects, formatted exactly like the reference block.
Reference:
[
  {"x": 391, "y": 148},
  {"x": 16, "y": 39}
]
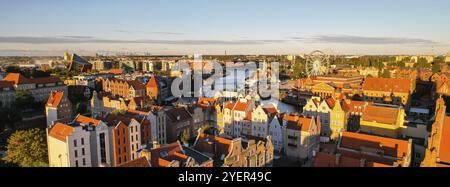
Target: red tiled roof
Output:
[
  {"x": 139, "y": 162},
  {"x": 389, "y": 146},
  {"x": 204, "y": 140},
  {"x": 354, "y": 106},
  {"x": 241, "y": 106},
  {"x": 17, "y": 78},
  {"x": 328, "y": 160},
  {"x": 444, "y": 149},
  {"x": 380, "y": 114},
  {"x": 152, "y": 83},
  {"x": 55, "y": 98},
  {"x": 60, "y": 131},
  {"x": 116, "y": 71},
  {"x": 162, "y": 156},
  {"x": 136, "y": 84},
  {"x": 270, "y": 109},
  {"x": 84, "y": 119},
  {"x": 387, "y": 84},
  {"x": 287, "y": 117},
  {"x": 229, "y": 105},
  {"x": 301, "y": 124}
]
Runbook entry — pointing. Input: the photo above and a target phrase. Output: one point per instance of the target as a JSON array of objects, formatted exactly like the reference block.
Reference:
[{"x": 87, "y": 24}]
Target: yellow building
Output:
[
  {"x": 219, "y": 119},
  {"x": 338, "y": 120},
  {"x": 383, "y": 120}
]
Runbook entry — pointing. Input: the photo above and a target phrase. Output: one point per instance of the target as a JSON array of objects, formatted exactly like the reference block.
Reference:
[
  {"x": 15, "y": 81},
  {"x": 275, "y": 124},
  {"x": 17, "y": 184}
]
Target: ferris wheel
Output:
[{"x": 317, "y": 63}]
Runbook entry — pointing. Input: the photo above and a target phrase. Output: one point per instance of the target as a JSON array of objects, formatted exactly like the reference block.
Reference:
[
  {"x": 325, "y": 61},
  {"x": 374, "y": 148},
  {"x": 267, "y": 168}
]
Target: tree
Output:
[
  {"x": 386, "y": 74},
  {"x": 436, "y": 67},
  {"x": 27, "y": 148},
  {"x": 422, "y": 63},
  {"x": 23, "y": 100},
  {"x": 401, "y": 64}
]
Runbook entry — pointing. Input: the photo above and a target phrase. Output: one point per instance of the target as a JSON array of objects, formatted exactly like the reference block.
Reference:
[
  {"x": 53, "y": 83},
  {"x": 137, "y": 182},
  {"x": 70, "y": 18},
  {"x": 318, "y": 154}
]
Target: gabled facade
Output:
[
  {"x": 302, "y": 137},
  {"x": 316, "y": 107},
  {"x": 57, "y": 107}
]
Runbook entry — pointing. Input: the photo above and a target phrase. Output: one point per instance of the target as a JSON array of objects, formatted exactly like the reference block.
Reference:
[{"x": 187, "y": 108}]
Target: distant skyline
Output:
[{"x": 353, "y": 27}]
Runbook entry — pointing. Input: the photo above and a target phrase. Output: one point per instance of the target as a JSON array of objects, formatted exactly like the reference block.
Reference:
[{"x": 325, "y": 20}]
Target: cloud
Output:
[
  {"x": 363, "y": 40},
  {"x": 87, "y": 39},
  {"x": 143, "y": 32},
  {"x": 78, "y": 37}
]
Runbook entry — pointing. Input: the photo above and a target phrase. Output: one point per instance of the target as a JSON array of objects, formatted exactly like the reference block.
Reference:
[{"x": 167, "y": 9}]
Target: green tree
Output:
[
  {"x": 298, "y": 69},
  {"x": 27, "y": 148},
  {"x": 23, "y": 100},
  {"x": 401, "y": 64},
  {"x": 436, "y": 67},
  {"x": 422, "y": 63},
  {"x": 386, "y": 74}
]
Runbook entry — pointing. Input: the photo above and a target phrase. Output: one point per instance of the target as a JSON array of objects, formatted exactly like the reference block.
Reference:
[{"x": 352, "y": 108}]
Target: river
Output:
[{"x": 231, "y": 81}]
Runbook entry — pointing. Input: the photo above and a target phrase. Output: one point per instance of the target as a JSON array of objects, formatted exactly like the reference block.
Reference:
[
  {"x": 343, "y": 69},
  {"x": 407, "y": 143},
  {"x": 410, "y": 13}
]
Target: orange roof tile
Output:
[
  {"x": 84, "y": 119},
  {"x": 55, "y": 98},
  {"x": 329, "y": 160},
  {"x": 152, "y": 83},
  {"x": 162, "y": 156},
  {"x": 223, "y": 145},
  {"x": 241, "y": 106},
  {"x": 387, "y": 84},
  {"x": 389, "y": 146},
  {"x": 444, "y": 149},
  {"x": 17, "y": 78},
  {"x": 380, "y": 114},
  {"x": 301, "y": 123},
  {"x": 60, "y": 131},
  {"x": 139, "y": 162},
  {"x": 116, "y": 71},
  {"x": 229, "y": 105},
  {"x": 270, "y": 109}
]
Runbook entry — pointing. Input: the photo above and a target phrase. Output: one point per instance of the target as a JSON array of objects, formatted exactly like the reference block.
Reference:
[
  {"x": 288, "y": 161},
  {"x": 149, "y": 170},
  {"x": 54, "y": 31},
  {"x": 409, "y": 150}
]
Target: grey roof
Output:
[{"x": 198, "y": 157}]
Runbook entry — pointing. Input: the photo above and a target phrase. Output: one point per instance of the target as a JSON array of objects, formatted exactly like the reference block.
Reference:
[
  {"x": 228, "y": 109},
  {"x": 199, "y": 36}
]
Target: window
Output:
[
  {"x": 76, "y": 153},
  {"x": 82, "y": 141},
  {"x": 82, "y": 151},
  {"x": 76, "y": 163},
  {"x": 417, "y": 155},
  {"x": 75, "y": 143},
  {"x": 131, "y": 129},
  {"x": 84, "y": 162},
  {"x": 137, "y": 139}
]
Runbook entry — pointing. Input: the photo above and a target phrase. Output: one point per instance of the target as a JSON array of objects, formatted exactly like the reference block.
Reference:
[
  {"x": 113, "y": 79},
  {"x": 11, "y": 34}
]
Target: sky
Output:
[{"x": 359, "y": 27}]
